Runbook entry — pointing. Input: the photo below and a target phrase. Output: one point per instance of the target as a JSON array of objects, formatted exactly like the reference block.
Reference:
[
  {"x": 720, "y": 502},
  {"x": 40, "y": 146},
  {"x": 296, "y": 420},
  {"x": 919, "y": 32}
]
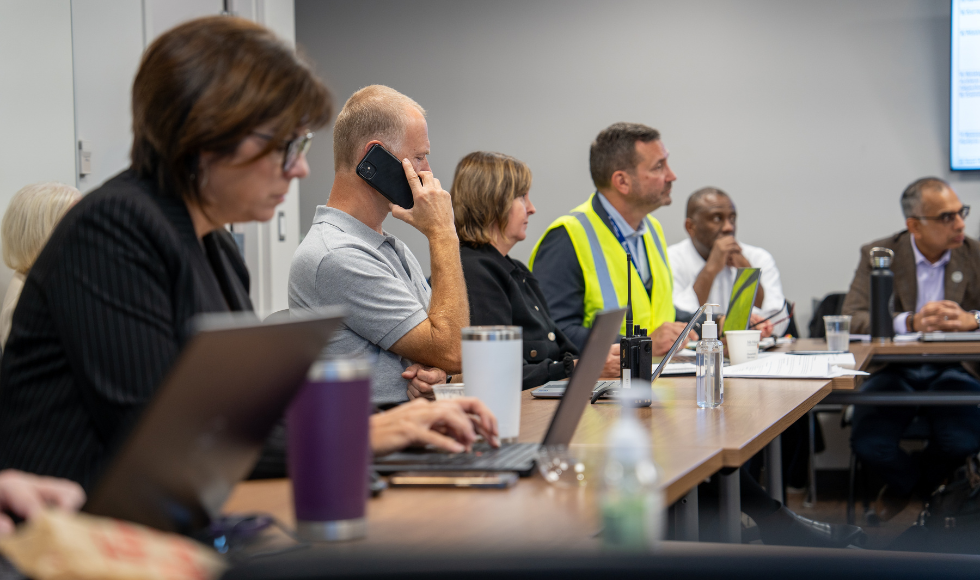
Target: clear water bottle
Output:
[
  {"x": 708, "y": 362},
  {"x": 631, "y": 500}
]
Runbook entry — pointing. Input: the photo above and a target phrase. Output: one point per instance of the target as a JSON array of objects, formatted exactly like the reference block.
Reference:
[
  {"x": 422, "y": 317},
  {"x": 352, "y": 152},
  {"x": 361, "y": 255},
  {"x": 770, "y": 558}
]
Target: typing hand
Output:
[
  {"x": 665, "y": 335},
  {"x": 421, "y": 378},
  {"x": 25, "y": 495},
  {"x": 433, "y": 211},
  {"x": 945, "y": 316},
  {"x": 448, "y": 425}
]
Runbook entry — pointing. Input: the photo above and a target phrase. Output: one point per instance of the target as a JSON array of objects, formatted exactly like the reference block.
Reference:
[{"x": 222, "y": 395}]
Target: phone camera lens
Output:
[{"x": 367, "y": 170}]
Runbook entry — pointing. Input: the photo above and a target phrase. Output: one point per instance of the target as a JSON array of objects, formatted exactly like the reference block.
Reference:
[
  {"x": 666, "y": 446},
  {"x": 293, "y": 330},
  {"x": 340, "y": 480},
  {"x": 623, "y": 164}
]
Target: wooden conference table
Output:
[
  {"x": 689, "y": 445},
  {"x": 865, "y": 354}
]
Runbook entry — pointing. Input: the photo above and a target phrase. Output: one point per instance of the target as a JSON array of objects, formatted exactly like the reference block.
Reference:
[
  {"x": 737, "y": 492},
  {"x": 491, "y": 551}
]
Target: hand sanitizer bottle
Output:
[
  {"x": 709, "y": 361},
  {"x": 631, "y": 500}
]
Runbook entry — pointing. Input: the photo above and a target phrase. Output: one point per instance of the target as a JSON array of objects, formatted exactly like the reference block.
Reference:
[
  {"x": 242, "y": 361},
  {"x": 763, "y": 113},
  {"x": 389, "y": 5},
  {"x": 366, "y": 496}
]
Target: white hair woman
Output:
[{"x": 32, "y": 215}]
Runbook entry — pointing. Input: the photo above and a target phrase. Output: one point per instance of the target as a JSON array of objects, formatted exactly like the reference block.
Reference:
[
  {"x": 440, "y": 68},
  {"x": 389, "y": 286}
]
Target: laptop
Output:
[
  {"x": 742, "y": 300},
  {"x": 205, "y": 427},
  {"x": 519, "y": 457},
  {"x": 950, "y": 336},
  {"x": 556, "y": 389}
]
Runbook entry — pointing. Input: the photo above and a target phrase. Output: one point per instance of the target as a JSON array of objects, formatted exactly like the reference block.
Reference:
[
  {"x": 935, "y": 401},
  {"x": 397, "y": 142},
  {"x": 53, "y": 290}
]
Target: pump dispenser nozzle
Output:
[{"x": 709, "y": 329}]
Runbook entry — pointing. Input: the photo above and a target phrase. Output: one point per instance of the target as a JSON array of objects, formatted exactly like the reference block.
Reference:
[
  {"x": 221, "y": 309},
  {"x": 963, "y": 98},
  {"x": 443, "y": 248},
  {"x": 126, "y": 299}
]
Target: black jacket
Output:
[
  {"x": 502, "y": 290},
  {"x": 103, "y": 315}
]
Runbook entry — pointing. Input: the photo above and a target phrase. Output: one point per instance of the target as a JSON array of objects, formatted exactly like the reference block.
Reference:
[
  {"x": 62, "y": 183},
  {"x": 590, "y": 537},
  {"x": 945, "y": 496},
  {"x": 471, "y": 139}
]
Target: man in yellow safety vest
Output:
[{"x": 580, "y": 261}]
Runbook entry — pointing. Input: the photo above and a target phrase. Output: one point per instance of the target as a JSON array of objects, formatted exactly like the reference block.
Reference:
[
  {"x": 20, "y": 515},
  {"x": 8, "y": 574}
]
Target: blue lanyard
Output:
[{"x": 622, "y": 241}]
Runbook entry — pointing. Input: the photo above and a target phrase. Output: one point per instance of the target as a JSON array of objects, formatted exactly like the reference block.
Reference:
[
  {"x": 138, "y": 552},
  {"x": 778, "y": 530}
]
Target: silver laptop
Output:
[
  {"x": 204, "y": 429},
  {"x": 556, "y": 389},
  {"x": 519, "y": 457},
  {"x": 950, "y": 336}
]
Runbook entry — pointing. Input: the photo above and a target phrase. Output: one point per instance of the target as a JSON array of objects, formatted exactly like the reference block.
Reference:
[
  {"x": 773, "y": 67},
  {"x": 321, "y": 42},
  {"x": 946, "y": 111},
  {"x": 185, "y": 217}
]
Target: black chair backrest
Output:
[
  {"x": 791, "y": 327},
  {"x": 829, "y": 306}
]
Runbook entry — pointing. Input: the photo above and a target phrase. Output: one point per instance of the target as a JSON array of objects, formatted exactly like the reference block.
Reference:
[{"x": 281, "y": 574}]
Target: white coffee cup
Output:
[
  {"x": 743, "y": 345},
  {"x": 492, "y": 363}
]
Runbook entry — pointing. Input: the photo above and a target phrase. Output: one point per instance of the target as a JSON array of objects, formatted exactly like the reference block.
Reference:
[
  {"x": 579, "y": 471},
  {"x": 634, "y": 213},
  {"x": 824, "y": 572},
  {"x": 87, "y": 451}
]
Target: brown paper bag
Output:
[{"x": 57, "y": 545}]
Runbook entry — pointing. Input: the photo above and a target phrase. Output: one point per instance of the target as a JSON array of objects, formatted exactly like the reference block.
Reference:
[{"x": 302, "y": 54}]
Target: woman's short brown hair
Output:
[
  {"x": 205, "y": 86},
  {"x": 484, "y": 187}
]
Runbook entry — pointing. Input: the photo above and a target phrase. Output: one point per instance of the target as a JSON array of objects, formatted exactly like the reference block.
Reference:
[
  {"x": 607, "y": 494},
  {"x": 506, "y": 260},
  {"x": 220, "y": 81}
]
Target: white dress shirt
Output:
[{"x": 686, "y": 263}]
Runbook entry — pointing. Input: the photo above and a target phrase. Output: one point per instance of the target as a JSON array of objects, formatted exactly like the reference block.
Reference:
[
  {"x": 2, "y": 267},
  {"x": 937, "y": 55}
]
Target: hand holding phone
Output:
[{"x": 433, "y": 211}]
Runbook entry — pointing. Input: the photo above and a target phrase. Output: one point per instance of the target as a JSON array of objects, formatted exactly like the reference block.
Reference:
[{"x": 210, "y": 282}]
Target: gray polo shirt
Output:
[{"x": 379, "y": 281}]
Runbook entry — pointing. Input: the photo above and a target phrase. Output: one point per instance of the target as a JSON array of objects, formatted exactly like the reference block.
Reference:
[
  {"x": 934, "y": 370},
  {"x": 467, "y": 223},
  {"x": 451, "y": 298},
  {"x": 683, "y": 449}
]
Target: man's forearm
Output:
[
  {"x": 449, "y": 308},
  {"x": 702, "y": 284}
]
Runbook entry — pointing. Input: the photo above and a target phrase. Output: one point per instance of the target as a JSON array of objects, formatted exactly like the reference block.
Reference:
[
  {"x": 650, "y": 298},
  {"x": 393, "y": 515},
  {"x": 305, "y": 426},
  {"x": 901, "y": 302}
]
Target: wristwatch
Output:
[{"x": 976, "y": 314}]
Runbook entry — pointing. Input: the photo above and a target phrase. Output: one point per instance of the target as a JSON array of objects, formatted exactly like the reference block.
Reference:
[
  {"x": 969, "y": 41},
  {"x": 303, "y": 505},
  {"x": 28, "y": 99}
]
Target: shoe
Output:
[
  {"x": 889, "y": 504},
  {"x": 786, "y": 528}
]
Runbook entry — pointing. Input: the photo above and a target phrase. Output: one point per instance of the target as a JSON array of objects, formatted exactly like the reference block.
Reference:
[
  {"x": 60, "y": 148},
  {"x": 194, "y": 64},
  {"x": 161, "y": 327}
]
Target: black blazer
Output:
[
  {"x": 502, "y": 290},
  {"x": 103, "y": 315}
]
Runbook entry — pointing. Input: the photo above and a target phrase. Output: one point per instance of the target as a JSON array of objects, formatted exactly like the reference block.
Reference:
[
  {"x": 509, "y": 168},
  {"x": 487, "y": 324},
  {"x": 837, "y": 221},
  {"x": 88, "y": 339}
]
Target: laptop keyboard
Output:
[
  {"x": 486, "y": 457},
  {"x": 510, "y": 457}
]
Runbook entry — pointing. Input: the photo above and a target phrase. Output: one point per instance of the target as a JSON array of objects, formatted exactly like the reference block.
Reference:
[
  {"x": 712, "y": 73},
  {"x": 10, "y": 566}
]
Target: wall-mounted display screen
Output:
[{"x": 964, "y": 86}]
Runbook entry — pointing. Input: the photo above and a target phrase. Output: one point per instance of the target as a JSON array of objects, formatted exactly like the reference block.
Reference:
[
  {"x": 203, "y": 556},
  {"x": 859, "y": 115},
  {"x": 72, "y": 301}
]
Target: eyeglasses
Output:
[
  {"x": 292, "y": 149},
  {"x": 947, "y": 217}
]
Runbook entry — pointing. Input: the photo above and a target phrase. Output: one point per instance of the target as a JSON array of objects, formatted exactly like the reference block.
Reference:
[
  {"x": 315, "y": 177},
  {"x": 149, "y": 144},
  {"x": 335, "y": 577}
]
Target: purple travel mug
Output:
[{"x": 329, "y": 450}]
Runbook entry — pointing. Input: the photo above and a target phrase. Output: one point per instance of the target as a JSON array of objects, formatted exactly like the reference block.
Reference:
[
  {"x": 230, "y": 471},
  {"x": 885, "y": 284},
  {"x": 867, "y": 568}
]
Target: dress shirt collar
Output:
[
  {"x": 921, "y": 260},
  {"x": 615, "y": 216}
]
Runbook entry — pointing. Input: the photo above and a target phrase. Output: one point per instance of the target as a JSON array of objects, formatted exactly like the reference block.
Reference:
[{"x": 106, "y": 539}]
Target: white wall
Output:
[
  {"x": 36, "y": 112},
  {"x": 108, "y": 38},
  {"x": 812, "y": 115},
  {"x": 107, "y": 42}
]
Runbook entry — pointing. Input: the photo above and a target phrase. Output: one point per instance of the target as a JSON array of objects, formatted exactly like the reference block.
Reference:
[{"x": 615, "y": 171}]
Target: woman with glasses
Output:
[
  {"x": 492, "y": 205},
  {"x": 223, "y": 113}
]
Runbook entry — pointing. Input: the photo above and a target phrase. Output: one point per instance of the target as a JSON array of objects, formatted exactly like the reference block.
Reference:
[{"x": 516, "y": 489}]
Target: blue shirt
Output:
[
  {"x": 634, "y": 239},
  {"x": 930, "y": 281}
]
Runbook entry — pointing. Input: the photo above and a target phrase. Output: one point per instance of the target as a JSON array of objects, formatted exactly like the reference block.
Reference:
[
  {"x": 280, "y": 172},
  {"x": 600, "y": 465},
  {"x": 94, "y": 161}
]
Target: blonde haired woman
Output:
[
  {"x": 31, "y": 216},
  {"x": 491, "y": 205}
]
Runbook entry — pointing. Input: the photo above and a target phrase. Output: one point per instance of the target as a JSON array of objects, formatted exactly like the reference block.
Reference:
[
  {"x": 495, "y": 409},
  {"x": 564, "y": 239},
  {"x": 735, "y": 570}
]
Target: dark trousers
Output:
[{"x": 954, "y": 431}]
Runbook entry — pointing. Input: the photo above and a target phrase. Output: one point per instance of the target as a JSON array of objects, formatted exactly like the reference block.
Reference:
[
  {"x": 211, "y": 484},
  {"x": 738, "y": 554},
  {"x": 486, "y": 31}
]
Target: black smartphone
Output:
[{"x": 383, "y": 171}]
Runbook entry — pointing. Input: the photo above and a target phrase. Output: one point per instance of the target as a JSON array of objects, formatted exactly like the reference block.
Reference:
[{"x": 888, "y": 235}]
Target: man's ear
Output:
[
  {"x": 621, "y": 182},
  {"x": 367, "y": 147},
  {"x": 913, "y": 225},
  {"x": 689, "y": 226}
]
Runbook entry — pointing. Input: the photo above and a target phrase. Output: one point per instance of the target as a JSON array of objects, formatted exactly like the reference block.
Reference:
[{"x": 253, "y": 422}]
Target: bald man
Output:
[
  {"x": 937, "y": 288},
  {"x": 704, "y": 266}
]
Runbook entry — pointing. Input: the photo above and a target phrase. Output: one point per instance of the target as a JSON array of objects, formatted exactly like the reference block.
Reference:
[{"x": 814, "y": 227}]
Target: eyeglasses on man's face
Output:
[
  {"x": 292, "y": 149},
  {"x": 947, "y": 217}
]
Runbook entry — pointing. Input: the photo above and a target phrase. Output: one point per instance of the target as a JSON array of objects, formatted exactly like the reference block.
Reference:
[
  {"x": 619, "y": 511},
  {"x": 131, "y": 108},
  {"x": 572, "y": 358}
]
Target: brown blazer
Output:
[{"x": 966, "y": 292}]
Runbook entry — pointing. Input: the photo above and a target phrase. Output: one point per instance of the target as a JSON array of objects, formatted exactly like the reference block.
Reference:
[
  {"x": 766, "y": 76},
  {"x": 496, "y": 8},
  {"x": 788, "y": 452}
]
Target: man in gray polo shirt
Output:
[{"x": 346, "y": 258}]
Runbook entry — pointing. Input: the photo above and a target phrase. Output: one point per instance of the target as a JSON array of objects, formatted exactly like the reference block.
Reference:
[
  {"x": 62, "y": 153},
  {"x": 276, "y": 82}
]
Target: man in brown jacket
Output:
[{"x": 937, "y": 287}]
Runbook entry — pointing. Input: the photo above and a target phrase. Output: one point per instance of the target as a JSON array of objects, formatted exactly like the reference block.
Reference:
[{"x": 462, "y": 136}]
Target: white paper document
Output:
[
  {"x": 781, "y": 365},
  {"x": 678, "y": 369}
]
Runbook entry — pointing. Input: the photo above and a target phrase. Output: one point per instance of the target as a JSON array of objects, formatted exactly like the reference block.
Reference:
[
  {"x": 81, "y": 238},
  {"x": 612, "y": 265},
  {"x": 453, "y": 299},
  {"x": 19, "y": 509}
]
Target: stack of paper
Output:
[{"x": 782, "y": 365}]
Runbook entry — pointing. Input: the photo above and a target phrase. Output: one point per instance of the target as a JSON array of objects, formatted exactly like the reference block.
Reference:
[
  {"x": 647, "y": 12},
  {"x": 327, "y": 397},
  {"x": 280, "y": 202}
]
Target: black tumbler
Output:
[{"x": 882, "y": 285}]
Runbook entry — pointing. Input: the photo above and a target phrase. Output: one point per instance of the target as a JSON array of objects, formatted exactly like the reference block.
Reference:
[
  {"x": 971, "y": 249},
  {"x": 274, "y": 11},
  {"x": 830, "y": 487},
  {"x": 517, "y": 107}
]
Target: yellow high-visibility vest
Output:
[{"x": 605, "y": 277}]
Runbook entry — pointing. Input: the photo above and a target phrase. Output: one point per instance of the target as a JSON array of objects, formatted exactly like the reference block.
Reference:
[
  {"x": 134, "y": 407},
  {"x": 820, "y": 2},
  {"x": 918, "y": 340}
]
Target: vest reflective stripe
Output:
[
  {"x": 603, "y": 263},
  {"x": 660, "y": 248},
  {"x": 602, "y": 269}
]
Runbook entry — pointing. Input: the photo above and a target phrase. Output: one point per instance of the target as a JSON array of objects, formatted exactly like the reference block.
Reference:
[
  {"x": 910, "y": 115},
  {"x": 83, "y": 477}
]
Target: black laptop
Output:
[
  {"x": 519, "y": 457},
  {"x": 203, "y": 431}
]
